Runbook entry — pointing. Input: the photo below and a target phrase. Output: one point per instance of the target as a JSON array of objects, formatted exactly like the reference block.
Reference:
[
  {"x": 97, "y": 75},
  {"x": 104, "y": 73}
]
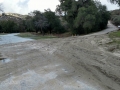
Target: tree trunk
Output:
[{"x": 42, "y": 31}]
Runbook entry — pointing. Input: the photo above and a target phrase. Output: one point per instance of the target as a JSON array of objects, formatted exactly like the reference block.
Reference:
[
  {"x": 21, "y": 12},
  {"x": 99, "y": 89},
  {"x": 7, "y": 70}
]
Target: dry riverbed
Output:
[{"x": 73, "y": 63}]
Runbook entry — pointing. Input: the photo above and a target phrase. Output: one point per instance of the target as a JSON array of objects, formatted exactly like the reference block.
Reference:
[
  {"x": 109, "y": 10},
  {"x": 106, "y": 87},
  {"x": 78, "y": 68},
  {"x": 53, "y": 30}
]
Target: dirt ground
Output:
[{"x": 73, "y": 63}]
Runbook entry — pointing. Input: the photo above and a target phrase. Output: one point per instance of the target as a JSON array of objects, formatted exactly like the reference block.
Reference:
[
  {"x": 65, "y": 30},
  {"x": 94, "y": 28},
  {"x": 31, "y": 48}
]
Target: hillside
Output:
[
  {"x": 15, "y": 15},
  {"x": 12, "y": 16},
  {"x": 115, "y": 12},
  {"x": 11, "y": 22},
  {"x": 115, "y": 17}
]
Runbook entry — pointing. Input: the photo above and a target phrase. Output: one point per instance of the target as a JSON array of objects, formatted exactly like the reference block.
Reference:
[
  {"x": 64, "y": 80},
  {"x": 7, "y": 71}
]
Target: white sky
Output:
[{"x": 26, "y": 6}]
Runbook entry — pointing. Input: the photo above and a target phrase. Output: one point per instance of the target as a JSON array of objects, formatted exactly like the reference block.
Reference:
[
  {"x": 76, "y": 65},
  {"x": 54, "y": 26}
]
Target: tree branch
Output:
[{"x": 1, "y": 7}]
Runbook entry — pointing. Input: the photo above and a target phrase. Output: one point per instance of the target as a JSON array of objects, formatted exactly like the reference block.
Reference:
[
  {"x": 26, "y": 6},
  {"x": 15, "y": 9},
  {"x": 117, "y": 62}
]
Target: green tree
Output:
[
  {"x": 1, "y": 31},
  {"x": 54, "y": 22},
  {"x": 28, "y": 23},
  {"x": 82, "y": 15},
  {"x": 115, "y": 17},
  {"x": 8, "y": 26},
  {"x": 86, "y": 19}
]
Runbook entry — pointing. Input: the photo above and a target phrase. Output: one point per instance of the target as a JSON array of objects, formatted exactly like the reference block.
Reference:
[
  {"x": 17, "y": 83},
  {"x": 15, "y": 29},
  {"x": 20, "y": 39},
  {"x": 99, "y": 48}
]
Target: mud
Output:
[{"x": 73, "y": 63}]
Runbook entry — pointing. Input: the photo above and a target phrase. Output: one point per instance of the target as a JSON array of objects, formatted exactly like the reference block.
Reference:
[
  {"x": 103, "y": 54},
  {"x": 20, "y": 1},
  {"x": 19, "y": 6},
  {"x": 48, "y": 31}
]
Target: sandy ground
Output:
[{"x": 73, "y": 63}]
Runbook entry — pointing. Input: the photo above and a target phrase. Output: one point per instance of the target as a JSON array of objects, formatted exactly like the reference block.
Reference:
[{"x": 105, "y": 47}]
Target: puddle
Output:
[
  {"x": 12, "y": 38},
  {"x": 4, "y": 60}
]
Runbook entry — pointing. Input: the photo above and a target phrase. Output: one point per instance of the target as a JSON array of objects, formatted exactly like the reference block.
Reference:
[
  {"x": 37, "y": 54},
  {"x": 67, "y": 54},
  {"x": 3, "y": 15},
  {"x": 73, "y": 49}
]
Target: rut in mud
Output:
[{"x": 73, "y": 63}]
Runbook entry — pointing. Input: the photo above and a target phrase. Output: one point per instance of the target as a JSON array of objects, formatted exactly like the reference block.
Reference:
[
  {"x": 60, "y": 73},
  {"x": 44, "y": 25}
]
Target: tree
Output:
[
  {"x": 115, "y": 2},
  {"x": 1, "y": 7},
  {"x": 8, "y": 26},
  {"x": 28, "y": 23},
  {"x": 54, "y": 22},
  {"x": 87, "y": 18},
  {"x": 115, "y": 17},
  {"x": 40, "y": 21},
  {"x": 116, "y": 20},
  {"x": 82, "y": 15}
]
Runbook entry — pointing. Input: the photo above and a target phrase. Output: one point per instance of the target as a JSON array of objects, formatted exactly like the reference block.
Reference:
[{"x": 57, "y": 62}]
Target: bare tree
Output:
[
  {"x": 41, "y": 23},
  {"x": 115, "y": 2},
  {"x": 1, "y": 7}
]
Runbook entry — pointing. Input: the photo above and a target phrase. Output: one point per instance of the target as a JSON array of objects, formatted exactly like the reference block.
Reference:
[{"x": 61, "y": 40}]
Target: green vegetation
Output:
[
  {"x": 55, "y": 25},
  {"x": 72, "y": 16},
  {"x": 82, "y": 16},
  {"x": 8, "y": 26},
  {"x": 115, "y": 14},
  {"x": 115, "y": 43},
  {"x": 115, "y": 2},
  {"x": 115, "y": 17},
  {"x": 115, "y": 36},
  {"x": 34, "y": 36}
]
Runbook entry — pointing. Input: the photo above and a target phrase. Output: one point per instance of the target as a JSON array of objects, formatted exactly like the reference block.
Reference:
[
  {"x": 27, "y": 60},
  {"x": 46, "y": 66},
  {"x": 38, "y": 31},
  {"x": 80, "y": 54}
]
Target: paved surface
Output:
[{"x": 110, "y": 28}]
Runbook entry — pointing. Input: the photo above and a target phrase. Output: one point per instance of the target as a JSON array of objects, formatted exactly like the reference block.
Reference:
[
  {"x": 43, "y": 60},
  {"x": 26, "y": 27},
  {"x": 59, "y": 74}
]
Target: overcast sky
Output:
[{"x": 25, "y": 6}]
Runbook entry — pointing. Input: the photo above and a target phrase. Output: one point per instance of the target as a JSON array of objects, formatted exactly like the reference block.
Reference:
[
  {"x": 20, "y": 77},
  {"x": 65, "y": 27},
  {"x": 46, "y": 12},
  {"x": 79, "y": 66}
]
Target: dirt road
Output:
[{"x": 73, "y": 63}]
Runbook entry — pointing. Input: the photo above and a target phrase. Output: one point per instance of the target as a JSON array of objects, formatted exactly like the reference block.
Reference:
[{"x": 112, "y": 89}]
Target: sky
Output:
[{"x": 26, "y": 6}]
